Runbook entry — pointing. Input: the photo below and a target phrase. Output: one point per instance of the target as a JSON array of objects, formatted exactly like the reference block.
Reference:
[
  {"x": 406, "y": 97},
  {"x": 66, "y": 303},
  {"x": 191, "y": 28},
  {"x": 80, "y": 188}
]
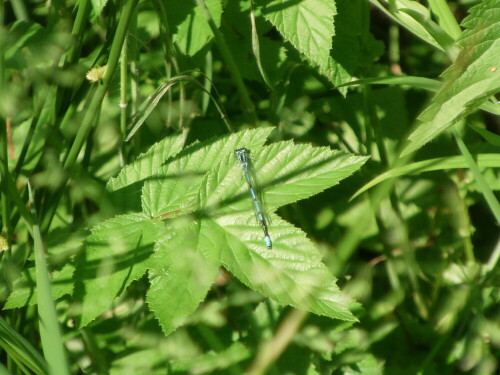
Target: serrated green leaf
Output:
[
  {"x": 176, "y": 184},
  {"x": 182, "y": 270},
  {"x": 471, "y": 80},
  {"x": 115, "y": 254},
  {"x": 148, "y": 163},
  {"x": 353, "y": 47},
  {"x": 286, "y": 173},
  {"x": 24, "y": 289},
  {"x": 291, "y": 273},
  {"x": 307, "y": 24},
  {"x": 191, "y": 30}
]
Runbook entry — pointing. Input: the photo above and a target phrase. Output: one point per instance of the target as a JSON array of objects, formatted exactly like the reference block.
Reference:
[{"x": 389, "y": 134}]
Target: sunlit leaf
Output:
[
  {"x": 183, "y": 268},
  {"x": 470, "y": 81},
  {"x": 307, "y": 24},
  {"x": 115, "y": 254},
  {"x": 148, "y": 163},
  {"x": 176, "y": 184}
]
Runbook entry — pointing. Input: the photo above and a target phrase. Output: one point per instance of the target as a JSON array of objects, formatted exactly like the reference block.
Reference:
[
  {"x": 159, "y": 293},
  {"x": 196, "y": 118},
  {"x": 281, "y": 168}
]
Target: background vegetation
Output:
[{"x": 121, "y": 198}]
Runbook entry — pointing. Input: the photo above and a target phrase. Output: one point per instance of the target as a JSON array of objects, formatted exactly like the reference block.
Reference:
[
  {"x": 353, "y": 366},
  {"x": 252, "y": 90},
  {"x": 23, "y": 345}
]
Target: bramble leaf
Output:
[
  {"x": 115, "y": 254},
  {"x": 24, "y": 289},
  {"x": 176, "y": 184},
  {"x": 147, "y": 164},
  {"x": 182, "y": 270},
  {"x": 291, "y": 273},
  {"x": 307, "y": 24},
  {"x": 192, "y": 31}
]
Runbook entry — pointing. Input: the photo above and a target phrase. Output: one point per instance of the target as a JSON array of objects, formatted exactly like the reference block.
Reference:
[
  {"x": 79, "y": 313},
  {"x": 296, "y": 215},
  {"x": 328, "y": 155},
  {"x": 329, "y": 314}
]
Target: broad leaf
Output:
[
  {"x": 182, "y": 270},
  {"x": 353, "y": 47},
  {"x": 115, "y": 254},
  {"x": 176, "y": 184},
  {"x": 286, "y": 173},
  {"x": 307, "y": 24},
  {"x": 291, "y": 273},
  {"x": 24, "y": 289},
  {"x": 472, "y": 79},
  {"x": 190, "y": 28},
  {"x": 147, "y": 164}
]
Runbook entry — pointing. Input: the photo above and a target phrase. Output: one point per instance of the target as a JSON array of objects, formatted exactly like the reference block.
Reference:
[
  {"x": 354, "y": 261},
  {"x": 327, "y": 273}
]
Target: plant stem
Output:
[
  {"x": 478, "y": 176},
  {"x": 94, "y": 106},
  {"x": 248, "y": 106}
]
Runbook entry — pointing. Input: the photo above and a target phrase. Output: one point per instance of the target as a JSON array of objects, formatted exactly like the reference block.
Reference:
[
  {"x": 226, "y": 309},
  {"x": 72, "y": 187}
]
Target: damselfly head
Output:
[
  {"x": 241, "y": 151},
  {"x": 243, "y": 155}
]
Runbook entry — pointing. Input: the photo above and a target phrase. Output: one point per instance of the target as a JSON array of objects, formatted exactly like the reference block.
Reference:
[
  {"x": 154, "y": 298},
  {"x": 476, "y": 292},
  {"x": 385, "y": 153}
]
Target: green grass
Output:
[{"x": 129, "y": 244}]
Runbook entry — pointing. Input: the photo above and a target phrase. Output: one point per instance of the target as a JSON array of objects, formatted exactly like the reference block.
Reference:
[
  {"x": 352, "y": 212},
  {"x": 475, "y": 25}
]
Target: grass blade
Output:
[
  {"x": 436, "y": 164},
  {"x": 52, "y": 341},
  {"x": 478, "y": 176},
  {"x": 20, "y": 351}
]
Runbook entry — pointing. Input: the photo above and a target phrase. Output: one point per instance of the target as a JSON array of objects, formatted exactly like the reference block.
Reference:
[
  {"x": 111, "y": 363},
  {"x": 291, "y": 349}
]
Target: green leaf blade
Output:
[
  {"x": 192, "y": 31},
  {"x": 147, "y": 164},
  {"x": 307, "y": 24},
  {"x": 285, "y": 172},
  {"x": 24, "y": 289},
  {"x": 470, "y": 81},
  {"x": 178, "y": 182},
  {"x": 115, "y": 254},
  {"x": 291, "y": 273},
  {"x": 181, "y": 273}
]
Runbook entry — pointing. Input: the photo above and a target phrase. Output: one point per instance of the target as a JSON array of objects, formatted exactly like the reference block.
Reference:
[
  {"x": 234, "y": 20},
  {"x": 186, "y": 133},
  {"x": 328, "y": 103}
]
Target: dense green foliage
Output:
[{"x": 129, "y": 242}]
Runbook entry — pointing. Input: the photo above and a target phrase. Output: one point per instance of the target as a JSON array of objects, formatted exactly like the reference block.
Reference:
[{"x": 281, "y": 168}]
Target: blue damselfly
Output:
[{"x": 243, "y": 156}]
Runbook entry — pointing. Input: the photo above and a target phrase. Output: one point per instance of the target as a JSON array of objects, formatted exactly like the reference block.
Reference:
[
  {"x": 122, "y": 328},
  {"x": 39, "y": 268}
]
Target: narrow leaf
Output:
[
  {"x": 479, "y": 178},
  {"x": 448, "y": 162},
  {"x": 21, "y": 351},
  {"x": 490, "y": 137},
  {"x": 50, "y": 331},
  {"x": 470, "y": 81}
]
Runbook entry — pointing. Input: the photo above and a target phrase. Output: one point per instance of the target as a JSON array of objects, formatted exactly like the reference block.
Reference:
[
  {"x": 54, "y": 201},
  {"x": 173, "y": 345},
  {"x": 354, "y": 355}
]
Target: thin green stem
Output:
[
  {"x": 4, "y": 166},
  {"x": 123, "y": 99},
  {"x": 393, "y": 49},
  {"x": 248, "y": 106},
  {"x": 4, "y": 176},
  {"x": 95, "y": 103},
  {"x": 81, "y": 19},
  {"x": 207, "y": 83},
  {"x": 478, "y": 176}
]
